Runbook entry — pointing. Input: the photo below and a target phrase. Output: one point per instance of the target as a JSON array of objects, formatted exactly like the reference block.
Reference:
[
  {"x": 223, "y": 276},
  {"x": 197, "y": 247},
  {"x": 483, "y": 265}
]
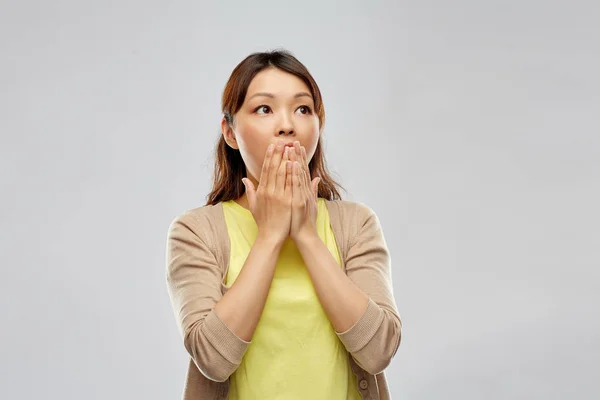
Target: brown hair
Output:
[{"x": 229, "y": 166}]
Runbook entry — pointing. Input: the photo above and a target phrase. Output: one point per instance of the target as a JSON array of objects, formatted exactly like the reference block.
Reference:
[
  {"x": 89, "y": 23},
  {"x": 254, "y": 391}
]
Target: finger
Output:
[
  {"x": 300, "y": 187},
  {"x": 305, "y": 184},
  {"x": 314, "y": 184},
  {"x": 288, "y": 177},
  {"x": 298, "y": 152},
  {"x": 315, "y": 187},
  {"x": 264, "y": 173},
  {"x": 306, "y": 167},
  {"x": 305, "y": 170},
  {"x": 275, "y": 161},
  {"x": 304, "y": 158},
  {"x": 295, "y": 158},
  {"x": 300, "y": 160},
  {"x": 281, "y": 172},
  {"x": 297, "y": 188},
  {"x": 250, "y": 191}
]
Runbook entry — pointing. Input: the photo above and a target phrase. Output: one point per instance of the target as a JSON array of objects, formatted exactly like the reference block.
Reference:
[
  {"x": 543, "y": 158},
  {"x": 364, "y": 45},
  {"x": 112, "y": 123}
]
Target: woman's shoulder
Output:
[
  {"x": 206, "y": 211},
  {"x": 199, "y": 219},
  {"x": 347, "y": 209}
]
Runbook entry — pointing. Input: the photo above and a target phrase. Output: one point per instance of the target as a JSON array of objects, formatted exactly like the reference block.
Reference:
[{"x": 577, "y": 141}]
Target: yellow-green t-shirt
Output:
[{"x": 295, "y": 352}]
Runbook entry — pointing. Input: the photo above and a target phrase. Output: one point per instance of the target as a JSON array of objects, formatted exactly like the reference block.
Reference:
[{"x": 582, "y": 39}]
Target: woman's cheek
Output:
[
  {"x": 311, "y": 147},
  {"x": 254, "y": 162},
  {"x": 256, "y": 167}
]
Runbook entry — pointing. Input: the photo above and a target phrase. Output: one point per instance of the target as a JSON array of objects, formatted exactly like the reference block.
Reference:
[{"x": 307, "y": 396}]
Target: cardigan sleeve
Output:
[
  {"x": 194, "y": 285},
  {"x": 375, "y": 337}
]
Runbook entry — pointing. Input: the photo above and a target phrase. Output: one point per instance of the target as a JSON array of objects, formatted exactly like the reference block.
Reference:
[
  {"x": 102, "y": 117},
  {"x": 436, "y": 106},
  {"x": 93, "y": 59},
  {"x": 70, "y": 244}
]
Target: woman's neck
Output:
[{"x": 243, "y": 201}]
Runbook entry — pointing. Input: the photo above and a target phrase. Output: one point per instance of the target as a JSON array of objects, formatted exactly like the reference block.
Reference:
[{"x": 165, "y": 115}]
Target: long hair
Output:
[{"x": 229, "y": 168}]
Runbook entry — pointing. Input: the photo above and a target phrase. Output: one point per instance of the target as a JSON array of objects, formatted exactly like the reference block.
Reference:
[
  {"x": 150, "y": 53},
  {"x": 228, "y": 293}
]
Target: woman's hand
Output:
[
  {"x": 271, "y": 203},
  {"x": 304, "y": 196}
]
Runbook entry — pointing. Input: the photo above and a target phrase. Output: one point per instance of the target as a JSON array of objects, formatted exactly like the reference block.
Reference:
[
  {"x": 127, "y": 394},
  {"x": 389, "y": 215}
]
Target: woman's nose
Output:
[{"x": 286, "y": 124}]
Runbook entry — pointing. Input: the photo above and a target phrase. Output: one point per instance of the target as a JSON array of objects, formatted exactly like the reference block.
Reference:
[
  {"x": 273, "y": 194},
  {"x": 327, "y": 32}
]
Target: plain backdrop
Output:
[{"x": 471, "y": 128}]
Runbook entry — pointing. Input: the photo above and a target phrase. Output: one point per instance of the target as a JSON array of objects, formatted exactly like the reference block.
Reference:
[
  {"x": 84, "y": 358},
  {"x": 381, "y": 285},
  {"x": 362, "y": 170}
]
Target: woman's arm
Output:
[
  {"x": 241, "y": 307},
  {"x": 215, "y": 340},
  {"x": 343, "y": 302},
  {"x": 360, "y": 304}
]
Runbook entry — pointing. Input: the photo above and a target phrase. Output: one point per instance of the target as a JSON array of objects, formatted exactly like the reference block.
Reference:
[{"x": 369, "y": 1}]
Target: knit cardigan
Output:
[{"x": 197, "y": 258}]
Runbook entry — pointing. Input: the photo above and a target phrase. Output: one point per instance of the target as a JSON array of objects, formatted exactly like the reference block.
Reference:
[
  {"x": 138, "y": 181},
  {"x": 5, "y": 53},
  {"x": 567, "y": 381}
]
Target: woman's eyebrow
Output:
[{"x": 271, "y": 95}]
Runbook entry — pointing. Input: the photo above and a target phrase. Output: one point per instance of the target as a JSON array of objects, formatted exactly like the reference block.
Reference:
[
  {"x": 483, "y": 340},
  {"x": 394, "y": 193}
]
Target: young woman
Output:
[{"x": 281, "y": 290}]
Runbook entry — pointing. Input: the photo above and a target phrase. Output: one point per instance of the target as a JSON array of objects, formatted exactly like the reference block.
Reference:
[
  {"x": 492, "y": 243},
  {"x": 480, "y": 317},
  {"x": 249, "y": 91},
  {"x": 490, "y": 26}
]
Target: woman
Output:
[{"x": 281, "y": 289}]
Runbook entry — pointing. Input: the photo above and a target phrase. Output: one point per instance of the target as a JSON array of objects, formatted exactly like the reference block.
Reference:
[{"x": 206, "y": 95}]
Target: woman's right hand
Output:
[{"x": 271, "y": 203}]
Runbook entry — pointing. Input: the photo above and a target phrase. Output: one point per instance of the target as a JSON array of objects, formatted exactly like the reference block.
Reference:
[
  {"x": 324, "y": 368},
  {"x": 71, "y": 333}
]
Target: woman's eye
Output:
[
  {"x": 304, "y": 109},
  {"x": 262, "y": 108}
]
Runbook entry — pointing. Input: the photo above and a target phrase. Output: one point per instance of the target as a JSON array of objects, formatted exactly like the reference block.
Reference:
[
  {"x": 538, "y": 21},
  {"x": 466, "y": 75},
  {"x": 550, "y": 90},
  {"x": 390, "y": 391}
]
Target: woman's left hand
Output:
[{"x": 304, "y": 196}]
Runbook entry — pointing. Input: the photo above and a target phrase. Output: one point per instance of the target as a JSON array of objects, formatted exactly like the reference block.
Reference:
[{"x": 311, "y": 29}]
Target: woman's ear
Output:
[{"x": 228, "y": 134}]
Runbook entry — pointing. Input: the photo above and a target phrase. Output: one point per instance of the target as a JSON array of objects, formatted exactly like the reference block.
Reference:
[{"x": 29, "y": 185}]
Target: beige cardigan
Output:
[{"x": 197, "y": 262}]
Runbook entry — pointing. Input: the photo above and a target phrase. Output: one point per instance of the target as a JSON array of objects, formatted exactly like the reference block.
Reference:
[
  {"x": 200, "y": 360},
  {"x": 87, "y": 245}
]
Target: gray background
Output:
[{"x": 471, "y": 128}]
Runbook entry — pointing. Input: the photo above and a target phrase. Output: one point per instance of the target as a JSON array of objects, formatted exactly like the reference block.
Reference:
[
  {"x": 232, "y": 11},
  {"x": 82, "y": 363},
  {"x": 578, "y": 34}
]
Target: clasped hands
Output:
[{"x": 285, "y": 201}]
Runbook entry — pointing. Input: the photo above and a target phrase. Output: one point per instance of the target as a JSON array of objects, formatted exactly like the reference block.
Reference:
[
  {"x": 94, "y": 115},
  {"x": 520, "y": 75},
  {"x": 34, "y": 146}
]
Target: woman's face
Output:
[{"x": 278, "y": 105}]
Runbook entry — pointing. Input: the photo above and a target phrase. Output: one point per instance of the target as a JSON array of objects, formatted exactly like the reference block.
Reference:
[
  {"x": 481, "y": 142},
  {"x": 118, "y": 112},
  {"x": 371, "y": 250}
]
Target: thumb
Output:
[
  {"x": 250, "y": 191},
  {"x": 315, "y": 186}
]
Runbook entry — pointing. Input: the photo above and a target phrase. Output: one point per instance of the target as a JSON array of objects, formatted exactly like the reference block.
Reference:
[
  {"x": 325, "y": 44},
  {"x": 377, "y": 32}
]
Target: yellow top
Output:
[{"x": 295, "y": 352}]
